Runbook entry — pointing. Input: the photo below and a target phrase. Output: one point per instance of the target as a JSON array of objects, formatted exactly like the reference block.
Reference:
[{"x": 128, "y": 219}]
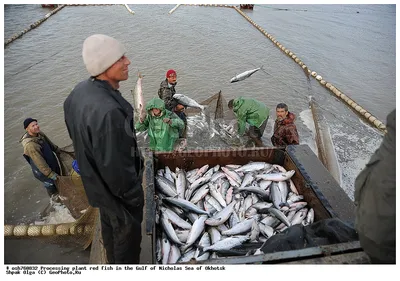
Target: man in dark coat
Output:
[
  {"x": 166, "y": 93},
  {"x": 100, "y": 123},
  {"x": 285, "y": 131},
  {"x": 375, "y": 200},
  {"x": 39, "y": 153}
]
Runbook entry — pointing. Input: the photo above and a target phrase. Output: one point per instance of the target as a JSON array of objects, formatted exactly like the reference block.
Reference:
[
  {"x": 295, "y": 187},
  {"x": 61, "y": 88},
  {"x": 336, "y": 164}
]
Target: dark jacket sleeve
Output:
[
  {"x": 113, "y": 152},
  {"x": 166, "y": 94},
  {"x": 375, "y": 199}
]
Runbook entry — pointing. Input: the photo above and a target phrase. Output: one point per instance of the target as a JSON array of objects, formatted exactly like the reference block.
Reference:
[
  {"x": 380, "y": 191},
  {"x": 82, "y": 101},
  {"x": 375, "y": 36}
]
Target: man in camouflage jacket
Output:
[{"x": 285, "y": 131}]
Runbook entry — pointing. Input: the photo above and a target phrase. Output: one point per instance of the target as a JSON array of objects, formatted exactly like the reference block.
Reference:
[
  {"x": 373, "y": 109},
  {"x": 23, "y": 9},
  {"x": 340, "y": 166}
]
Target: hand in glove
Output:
[
  {"x": 167, "y": 120},
  {"x": 54, "y": 176}
]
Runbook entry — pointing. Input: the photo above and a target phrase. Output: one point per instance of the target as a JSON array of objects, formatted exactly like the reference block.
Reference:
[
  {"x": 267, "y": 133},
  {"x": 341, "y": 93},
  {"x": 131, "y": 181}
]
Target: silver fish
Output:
[
  {"x": 185, "y": 100},
  {"x": 187, "y": 256},
  {"x": 184, "y": 204},
  {"x": 280, "y": 216},
  {"x": 195, "y": 232},
  {"x": 211, "y": 200},
  {"x": 264, "y": 184},
  {"x": 165, "y": 186},
  {"x": 266, "y": 230},
  {"x": 204, "y": 242},
  {"x": 215, "y": 235},
  {"x": 241, "y": 227},
  {"x": 217, "y": 195},
  {"x": 276, "y": 176},
  {"x": 168, "y": 174},
  {"x": 276, "y": 196},
  {"x": 159, "y": 248},
  {"x": 175, "y": 219},
  {"x": 233, "y": 219},
  {"x": 253, "y": 167},
  {"x": 247, "y": 180},
  {"x": 261, "y": 192},
  {"x": 310, "y": 216},
  {"x": 169, "y": 230},
  {"x": 227, "y": 243},
  {"x": 297, "y": 206},
  {"x": 174, "y": 254},
  {"x": 182, "y": 235},
  {"x": 244, "y": 75},
  {"x": 299, "y": 216},
  {"x": 181, "y": 183},
  {"x": 166, "y": 248},
  {"x": 255, "y": 231},
  {"x": 222, "y": 216},
  {"x": 138, "y": 99},
  {"x": 200, "y": 194}
]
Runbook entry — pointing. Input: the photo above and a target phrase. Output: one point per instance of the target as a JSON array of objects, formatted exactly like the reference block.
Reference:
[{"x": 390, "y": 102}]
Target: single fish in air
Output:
[{"x": 245, "y": 75}]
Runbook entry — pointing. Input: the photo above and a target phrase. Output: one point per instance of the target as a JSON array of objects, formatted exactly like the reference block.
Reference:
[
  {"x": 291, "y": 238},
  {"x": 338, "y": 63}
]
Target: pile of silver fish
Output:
[{"x": 213, "y": 212}]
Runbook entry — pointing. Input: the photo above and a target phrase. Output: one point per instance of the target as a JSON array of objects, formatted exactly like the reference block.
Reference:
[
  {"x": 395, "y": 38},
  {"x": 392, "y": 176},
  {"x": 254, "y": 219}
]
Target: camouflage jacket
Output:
[
  {"x": 33, "y": 148},
  {"x": 166, "y": 93},
  {"x": 375, "y": 199},
  {"x": 285, "y": 131}
]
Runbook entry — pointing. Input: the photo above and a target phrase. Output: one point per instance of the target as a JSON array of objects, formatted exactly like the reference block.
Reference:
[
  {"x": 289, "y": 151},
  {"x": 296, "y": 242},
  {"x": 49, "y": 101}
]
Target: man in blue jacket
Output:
[{"x": 100, "y": 123}]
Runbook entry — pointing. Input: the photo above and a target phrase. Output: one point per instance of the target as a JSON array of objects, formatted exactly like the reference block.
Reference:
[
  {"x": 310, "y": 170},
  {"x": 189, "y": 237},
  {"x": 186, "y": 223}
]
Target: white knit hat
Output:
[{"x": 100, "y": 52}]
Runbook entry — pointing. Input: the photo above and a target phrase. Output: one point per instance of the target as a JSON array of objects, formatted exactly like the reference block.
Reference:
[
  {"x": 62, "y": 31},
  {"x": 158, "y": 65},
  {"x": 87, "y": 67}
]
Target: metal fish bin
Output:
[{"x": 189, "y": 160}]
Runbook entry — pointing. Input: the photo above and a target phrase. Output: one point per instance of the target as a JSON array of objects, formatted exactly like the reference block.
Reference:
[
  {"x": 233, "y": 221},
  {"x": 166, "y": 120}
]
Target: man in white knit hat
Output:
[{"x": 100, "y": 123}]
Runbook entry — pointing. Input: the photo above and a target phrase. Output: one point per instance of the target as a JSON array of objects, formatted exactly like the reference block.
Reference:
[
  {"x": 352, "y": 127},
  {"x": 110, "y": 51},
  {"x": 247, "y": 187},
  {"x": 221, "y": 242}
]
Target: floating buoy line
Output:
[
  {"x": 371, "y": 119},
  {"x": 33, "y": 25}
]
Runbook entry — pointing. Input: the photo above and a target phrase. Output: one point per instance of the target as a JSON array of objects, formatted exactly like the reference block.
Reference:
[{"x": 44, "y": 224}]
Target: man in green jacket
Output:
[
  {"x": 375, "y": 200},
  {"x": 163, "y": 126},
  {"x": 250, "y": 111}
]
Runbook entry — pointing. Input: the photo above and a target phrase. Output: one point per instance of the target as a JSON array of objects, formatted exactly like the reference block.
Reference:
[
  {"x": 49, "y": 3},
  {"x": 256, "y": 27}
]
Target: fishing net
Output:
[
  {"x": 78, "y": 233},
  {"x": 323, "y": 232}
]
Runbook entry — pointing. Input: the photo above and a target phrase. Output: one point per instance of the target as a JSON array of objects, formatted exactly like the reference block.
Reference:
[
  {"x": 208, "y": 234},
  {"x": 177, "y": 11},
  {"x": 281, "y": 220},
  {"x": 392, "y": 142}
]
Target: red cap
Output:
[{"x": 169, "y": 72}]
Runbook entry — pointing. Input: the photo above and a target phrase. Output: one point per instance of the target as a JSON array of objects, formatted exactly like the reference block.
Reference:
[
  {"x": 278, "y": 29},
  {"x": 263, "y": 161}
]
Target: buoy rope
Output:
[
  {"x": 34, "y": 25},
  {"x": 347, "y": 100}
]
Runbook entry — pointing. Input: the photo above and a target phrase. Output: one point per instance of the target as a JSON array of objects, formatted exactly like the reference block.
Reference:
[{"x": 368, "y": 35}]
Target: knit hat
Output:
[
  {"x": 27, "y": 121},
  {"x": 100, "y": 52},
  {"x": 169, "y": 72}
]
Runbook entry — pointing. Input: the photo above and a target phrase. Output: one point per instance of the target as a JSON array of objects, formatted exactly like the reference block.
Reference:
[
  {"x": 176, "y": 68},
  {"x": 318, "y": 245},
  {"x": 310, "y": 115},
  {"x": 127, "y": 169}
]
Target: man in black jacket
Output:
[{"x": 100, "y": 123}]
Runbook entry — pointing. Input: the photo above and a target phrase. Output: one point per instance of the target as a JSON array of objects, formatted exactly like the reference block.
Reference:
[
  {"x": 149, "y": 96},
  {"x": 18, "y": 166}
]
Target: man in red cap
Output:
[{"x": 166, "y": 93}]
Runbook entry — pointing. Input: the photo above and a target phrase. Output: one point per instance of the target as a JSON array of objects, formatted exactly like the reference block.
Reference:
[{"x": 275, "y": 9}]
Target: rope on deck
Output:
[
  {"x": 347, "y": 100},
  {"x": 34, "y": 25}
]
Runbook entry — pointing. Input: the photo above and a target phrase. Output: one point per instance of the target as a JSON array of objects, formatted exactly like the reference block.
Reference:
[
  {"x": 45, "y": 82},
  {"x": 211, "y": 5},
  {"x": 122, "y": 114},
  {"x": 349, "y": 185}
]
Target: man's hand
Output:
[
  {"x": 142, "y": 117},
  {"x": 167, "y": 120},
  {"x": 54, "y": 176}
]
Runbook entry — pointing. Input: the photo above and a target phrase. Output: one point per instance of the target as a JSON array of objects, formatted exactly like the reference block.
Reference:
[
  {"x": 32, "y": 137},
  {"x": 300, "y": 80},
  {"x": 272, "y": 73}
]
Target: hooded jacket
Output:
[
  {"x": 249, "y": 111},
  {"x": 285, "y": 131},
  {"x": 100, "y": 123},
  {"x": 375, "y": 199},
  {"x": 35, "y": 148},
  {"x": 166, "y": 93},
  {"x": 162, "y": 135}
]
